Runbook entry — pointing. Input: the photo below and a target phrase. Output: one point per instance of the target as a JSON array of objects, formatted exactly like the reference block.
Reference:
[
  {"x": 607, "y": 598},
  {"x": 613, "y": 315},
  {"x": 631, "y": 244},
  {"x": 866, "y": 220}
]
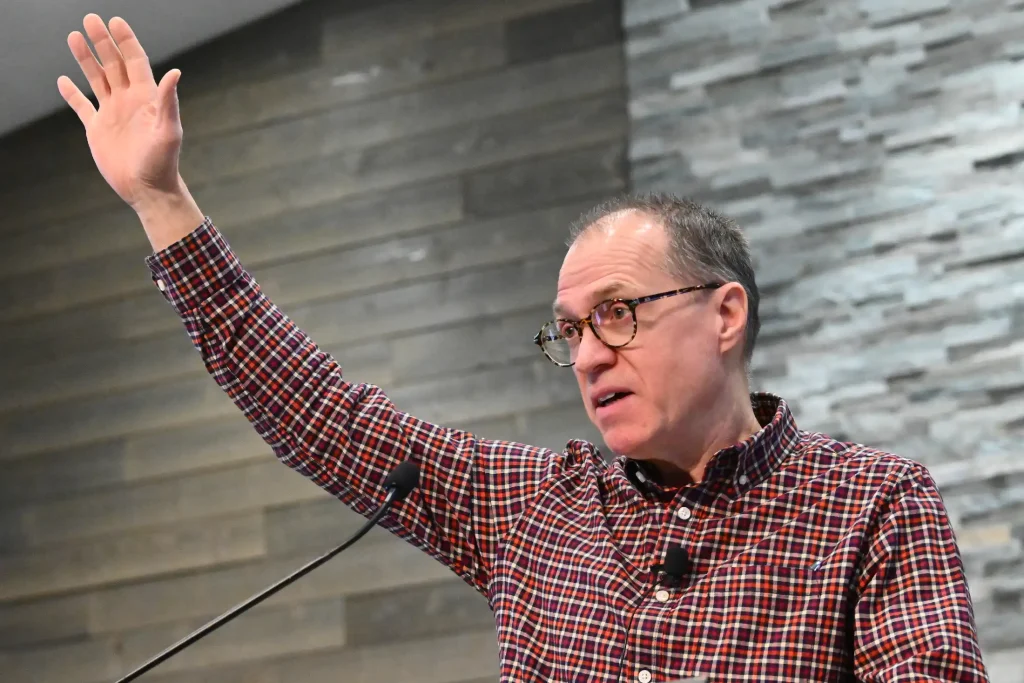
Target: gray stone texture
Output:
[{"x": 873, "y": 152}]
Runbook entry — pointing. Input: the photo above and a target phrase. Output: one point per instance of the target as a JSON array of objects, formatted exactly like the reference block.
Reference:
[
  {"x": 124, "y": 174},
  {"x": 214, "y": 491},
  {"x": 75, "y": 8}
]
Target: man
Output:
[{"x": 725, "y": 541}]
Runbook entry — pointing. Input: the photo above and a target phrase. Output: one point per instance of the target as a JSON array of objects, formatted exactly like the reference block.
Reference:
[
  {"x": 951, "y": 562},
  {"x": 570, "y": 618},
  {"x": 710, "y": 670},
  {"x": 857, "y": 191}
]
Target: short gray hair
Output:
[{"x": 703, "y": 244}]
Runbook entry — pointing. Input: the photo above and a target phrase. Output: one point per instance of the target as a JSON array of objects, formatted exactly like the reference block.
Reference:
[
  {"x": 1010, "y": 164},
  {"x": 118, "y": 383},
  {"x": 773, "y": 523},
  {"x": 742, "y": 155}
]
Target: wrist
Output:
[{"x": 168, "y": 216}]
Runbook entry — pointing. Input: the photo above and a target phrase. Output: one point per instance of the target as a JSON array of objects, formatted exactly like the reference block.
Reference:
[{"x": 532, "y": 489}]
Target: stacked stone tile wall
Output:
[{"x": 872, "y": 149}]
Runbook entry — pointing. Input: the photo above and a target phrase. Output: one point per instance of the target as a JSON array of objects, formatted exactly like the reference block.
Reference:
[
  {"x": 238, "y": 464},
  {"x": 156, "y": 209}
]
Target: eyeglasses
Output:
[{"x": 612, "y": 321}]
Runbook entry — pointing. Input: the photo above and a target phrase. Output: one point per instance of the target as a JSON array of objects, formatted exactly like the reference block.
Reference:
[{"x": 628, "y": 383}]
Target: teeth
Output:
[{"x": 604, "y": 399}]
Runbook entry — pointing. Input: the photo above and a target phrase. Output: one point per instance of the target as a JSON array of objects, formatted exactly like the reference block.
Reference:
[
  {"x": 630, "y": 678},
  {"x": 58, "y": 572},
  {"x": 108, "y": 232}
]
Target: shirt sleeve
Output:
[
  {"x": 343, "y": 435},
  {"x": 914, "y": 618}
]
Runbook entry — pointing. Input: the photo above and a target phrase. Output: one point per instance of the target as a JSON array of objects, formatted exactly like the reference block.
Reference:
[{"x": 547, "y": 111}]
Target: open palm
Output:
[{"x": 135, "y": 134}]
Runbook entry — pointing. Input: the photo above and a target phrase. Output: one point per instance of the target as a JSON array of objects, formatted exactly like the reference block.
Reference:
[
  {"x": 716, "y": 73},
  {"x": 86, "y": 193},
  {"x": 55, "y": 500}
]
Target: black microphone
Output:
[
  {"x": 399, "y": 483},
  {"x": 676, "y": 565}
]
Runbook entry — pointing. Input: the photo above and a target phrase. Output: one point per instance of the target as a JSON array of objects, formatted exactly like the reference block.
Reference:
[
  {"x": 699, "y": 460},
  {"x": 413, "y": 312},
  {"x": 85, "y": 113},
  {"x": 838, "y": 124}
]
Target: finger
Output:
[
  {"x": 167, "y": 94},
  {"x": 136, "y": 61},
  {"x": 110, "y": 56},
  {"x": 78, "y": 102},
  {"x": 90, "y": 67}
]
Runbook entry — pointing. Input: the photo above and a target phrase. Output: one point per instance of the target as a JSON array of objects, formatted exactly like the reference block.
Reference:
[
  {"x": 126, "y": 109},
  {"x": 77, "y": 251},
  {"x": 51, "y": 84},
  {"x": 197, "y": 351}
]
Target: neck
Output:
[{"x": 728, "y": 421}]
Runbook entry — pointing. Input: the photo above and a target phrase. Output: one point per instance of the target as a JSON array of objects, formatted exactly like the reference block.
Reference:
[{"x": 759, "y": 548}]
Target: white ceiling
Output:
[{"x": 34, "y": 49}]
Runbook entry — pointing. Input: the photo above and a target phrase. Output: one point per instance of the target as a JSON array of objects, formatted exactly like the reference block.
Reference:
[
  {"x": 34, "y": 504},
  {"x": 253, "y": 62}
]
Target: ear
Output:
[{"x": 732, "y": 317}]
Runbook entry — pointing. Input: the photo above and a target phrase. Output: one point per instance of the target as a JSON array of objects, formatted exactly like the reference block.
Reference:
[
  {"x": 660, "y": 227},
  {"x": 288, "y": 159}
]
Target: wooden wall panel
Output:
[{"x": 400, "y": 178}]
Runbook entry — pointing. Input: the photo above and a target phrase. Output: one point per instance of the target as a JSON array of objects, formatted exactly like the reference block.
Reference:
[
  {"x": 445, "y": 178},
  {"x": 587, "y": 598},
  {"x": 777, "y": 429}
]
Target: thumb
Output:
[{"x": 167, "y": 97}]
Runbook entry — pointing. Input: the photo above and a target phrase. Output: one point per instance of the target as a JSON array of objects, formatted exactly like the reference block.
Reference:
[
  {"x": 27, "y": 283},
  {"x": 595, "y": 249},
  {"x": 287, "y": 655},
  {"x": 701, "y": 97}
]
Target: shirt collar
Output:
[{"x": 746, "y": 463}]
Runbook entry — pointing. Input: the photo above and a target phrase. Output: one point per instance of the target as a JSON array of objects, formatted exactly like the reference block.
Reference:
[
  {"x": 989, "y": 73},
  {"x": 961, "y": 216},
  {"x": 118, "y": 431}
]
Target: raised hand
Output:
[{"x": 135, "y": 136}]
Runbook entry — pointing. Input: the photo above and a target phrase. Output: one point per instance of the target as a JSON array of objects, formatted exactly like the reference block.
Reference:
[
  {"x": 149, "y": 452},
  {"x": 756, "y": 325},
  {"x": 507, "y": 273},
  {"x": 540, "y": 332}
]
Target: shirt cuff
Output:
[{"x": 194, "y": 268}]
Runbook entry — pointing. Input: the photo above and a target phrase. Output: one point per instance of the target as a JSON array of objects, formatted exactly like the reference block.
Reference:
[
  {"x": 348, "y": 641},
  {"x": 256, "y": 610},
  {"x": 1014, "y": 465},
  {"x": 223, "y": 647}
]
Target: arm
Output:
[
  {"x": 914, "y": 619},
  {"x": 344, "y": 436}
]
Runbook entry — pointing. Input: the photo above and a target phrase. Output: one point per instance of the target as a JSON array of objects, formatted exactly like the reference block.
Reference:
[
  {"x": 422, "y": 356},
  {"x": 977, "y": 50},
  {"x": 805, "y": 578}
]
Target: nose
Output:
[{"x": 592, "y": 354}]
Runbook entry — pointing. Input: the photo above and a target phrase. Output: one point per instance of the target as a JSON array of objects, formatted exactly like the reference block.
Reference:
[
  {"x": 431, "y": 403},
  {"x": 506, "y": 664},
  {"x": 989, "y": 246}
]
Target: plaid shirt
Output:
[{"x": 809, "y": 559}]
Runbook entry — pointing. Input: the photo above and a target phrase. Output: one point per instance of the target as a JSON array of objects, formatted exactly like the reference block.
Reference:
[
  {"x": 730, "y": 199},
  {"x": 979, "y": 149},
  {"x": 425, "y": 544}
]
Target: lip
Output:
[
  {"x": 609, "y": 411},
  {"x": 595, "y": 395}
]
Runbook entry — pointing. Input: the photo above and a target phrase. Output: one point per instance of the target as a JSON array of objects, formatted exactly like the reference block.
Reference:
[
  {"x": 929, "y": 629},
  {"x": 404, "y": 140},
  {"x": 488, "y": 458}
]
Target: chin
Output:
[{"x": 624, "y": 441}]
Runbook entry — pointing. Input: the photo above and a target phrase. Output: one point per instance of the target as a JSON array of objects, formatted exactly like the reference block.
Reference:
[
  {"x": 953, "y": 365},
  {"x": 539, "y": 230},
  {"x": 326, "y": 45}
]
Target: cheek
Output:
[{"x": 581, "y": 382}]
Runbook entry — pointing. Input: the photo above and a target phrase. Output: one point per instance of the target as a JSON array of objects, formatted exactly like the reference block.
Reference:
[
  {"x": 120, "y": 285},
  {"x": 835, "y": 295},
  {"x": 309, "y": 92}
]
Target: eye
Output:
[
  {"x": 619, "y": 311},
  {"x": 566, "y": 329},
  {"x": 613, "y": 313}
]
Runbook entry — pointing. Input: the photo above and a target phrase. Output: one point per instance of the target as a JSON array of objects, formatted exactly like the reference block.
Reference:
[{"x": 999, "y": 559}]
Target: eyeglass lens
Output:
[{"x": 612, "y": 321}]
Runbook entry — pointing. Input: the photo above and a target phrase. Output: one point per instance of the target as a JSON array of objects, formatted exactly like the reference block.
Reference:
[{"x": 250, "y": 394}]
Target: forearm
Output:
[{"x": 168, "y": 217}]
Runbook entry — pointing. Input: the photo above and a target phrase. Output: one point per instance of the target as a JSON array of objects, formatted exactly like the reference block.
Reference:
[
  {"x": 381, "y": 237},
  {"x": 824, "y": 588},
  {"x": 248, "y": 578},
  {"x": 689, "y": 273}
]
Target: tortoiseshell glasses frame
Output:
[{"x": 606, "y": 320}]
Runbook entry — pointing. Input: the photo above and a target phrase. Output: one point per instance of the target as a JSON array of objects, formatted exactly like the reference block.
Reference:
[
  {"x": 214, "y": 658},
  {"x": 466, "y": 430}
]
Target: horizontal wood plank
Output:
[
  {"x": 53, "y": 475},
  {"x": 131, "y": 556},
  {"x": 264, "y": 631},
  {"x": 59, "y": 474},
  {"x": 543, "y": 36},
  {"x": 430, "y": 610},
  {"x": 485, "y": 342},
  {"x": 431, "y": 304},
  {"x": 134, "y": 364},
  {"x": 73, "y": 422},
  {"x": 313, "y": 526},
  {"x": 247, "y": 487},
  {"x": 204, "y": 594},
  {"x": 36, "y": 622},
  {"x": 472, "y": 396},
  {"x": 440, "y": 660},
  {"x": 591, "y": 172},
  {"x": 418, "y": 19}
]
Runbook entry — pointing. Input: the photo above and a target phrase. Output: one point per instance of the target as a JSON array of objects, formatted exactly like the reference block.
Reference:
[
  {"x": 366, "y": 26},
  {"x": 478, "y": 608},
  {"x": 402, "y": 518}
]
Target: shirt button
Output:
[
  {"x": 744, "y": 480},
  {"x": 683, "y": 513},
  {"x": 160, "y": 285},
  {"x": 661, "y": 596},
  {"x": 644, "y": 676}
]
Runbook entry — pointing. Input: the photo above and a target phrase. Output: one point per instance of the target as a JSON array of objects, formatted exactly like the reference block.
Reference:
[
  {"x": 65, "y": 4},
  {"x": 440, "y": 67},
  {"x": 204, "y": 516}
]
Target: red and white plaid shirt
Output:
[{"x": 811, "y": 559}]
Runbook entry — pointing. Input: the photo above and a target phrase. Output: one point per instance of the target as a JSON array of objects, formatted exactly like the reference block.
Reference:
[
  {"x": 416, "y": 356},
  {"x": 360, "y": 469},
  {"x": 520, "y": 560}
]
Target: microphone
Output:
[
  {"x": 676, "y": 565},
  {"x": 399, "y": 483}
]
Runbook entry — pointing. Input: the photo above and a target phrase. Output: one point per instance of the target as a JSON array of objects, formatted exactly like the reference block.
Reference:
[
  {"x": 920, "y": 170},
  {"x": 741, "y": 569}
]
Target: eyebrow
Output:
[{"x": 607, "y": 292}]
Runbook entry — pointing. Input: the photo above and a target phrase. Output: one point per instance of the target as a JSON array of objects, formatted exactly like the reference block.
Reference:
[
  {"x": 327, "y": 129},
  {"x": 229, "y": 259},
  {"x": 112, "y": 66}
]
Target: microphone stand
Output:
[{"x": 398, "y": 489}]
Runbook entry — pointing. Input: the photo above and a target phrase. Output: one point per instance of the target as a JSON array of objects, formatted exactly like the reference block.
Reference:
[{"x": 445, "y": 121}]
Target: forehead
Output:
[{"x": 622, "y": 256}]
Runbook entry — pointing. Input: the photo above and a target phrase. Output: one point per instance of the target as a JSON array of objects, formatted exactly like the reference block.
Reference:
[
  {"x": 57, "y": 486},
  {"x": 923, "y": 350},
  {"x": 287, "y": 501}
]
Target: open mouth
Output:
[{"x": 605, "y": 401}]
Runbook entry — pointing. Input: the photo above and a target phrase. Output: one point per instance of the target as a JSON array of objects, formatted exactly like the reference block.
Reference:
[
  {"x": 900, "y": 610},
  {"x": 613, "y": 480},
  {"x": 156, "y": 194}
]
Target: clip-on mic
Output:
[
  {"x": 399, "y": 483},
  {"x": 675, "y": 567}
]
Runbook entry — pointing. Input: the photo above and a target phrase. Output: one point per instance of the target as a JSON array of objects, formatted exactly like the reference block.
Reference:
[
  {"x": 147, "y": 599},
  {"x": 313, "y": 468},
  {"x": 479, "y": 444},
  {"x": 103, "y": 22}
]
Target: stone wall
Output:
[{"x": 872, "y": 149}]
